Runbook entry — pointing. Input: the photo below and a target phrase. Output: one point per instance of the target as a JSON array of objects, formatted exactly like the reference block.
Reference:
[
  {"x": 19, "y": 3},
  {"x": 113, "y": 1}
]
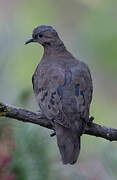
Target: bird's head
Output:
[{"x": 45, "y": 35}]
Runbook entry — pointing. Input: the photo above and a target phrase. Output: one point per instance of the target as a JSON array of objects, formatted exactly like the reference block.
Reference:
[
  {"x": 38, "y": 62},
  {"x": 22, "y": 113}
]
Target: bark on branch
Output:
[{"x": 21, "y": 114}]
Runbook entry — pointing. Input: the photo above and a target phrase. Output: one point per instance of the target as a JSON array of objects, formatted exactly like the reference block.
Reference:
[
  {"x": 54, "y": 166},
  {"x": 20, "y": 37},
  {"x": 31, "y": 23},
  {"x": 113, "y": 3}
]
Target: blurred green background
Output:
[{"x": 89, "y": 30}]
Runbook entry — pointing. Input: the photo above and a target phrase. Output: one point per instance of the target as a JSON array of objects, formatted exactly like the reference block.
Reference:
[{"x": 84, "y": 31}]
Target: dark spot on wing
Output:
[
  {"x": 53, "y": 95},
  {"x": 82, "y": 94},
  {"x": 46, "y": 93},
  {"x": 60, "y": 92},
  {"x": 40, "y": 89},
  {"x": 49, "y": 106},
  {"x": 43, "y": 98},
  {"x": 77, "y": 87},
  {"x": 52, "y": 98},
  {"x": 52, "y": 101}
]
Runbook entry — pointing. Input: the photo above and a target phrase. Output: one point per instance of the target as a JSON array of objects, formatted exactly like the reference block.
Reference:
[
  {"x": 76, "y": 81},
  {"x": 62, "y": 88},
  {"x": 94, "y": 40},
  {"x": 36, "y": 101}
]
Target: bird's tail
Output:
[{"x": 68, "y": 143}]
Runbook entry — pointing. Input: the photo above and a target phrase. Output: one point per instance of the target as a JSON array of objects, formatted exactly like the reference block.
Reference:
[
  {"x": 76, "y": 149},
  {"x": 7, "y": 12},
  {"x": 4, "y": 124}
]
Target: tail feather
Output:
[{"x": 68, "y": 143}]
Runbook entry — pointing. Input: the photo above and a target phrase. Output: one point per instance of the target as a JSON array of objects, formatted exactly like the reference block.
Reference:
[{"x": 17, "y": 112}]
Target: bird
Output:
[{"x": 63, "y": 89}]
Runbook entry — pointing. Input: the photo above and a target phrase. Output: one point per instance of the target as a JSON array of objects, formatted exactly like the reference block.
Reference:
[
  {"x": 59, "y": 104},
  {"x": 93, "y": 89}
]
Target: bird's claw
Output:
[{"x": 53, "y": 133}]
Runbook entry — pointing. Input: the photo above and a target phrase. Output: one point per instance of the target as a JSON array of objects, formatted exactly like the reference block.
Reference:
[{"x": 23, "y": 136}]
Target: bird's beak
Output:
[{"x": 29, "y": 41}]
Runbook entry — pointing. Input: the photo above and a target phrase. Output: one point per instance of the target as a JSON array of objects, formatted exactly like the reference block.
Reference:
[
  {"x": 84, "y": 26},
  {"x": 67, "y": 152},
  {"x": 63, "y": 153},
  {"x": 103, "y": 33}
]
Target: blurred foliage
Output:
[
  {"x": 29, "y": 160},
  {"x": 89, "y": 30}
]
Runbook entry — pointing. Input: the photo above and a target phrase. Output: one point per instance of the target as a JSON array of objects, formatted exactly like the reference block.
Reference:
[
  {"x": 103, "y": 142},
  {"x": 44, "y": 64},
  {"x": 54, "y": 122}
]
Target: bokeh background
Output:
[{"x": 89, "y": 30}]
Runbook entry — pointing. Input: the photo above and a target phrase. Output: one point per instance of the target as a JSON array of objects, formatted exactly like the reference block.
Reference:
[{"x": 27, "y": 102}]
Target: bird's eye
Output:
[{"x": 40, "y": 35}]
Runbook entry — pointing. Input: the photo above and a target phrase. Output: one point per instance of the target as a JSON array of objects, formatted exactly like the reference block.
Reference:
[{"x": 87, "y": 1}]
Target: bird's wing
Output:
[
  {"x": 83, "y": 89},
  {"x": 47, "y": 85}
]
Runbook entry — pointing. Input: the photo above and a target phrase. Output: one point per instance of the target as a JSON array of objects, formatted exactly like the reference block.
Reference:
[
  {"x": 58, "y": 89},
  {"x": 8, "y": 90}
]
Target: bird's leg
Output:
[
  {"x": 53, "y": 133},
  {"x": 40, "y": 113},
  {"x": 90, "y": 120}
]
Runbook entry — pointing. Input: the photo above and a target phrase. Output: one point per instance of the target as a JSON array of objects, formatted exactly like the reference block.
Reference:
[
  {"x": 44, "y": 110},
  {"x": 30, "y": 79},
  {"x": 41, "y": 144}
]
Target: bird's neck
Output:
[{"x": 54, "y": 49}]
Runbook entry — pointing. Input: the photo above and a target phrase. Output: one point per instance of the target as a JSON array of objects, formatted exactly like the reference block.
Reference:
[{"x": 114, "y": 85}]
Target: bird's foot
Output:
[
  {"x": 4, "y": 109},
  {"x": 53, "y": 133},
  {"x": 41, "y": 115},
  {"x": 90, "y": 120}
]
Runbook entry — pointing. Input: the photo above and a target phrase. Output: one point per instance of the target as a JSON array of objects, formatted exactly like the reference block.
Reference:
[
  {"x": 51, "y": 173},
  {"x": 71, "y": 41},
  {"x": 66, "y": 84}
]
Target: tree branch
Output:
[{"x": 37, "y": 118}]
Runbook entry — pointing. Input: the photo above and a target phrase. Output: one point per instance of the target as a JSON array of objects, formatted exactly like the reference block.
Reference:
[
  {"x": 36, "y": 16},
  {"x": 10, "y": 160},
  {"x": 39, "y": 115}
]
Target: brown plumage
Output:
[{"x": 63, "y": 89}]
